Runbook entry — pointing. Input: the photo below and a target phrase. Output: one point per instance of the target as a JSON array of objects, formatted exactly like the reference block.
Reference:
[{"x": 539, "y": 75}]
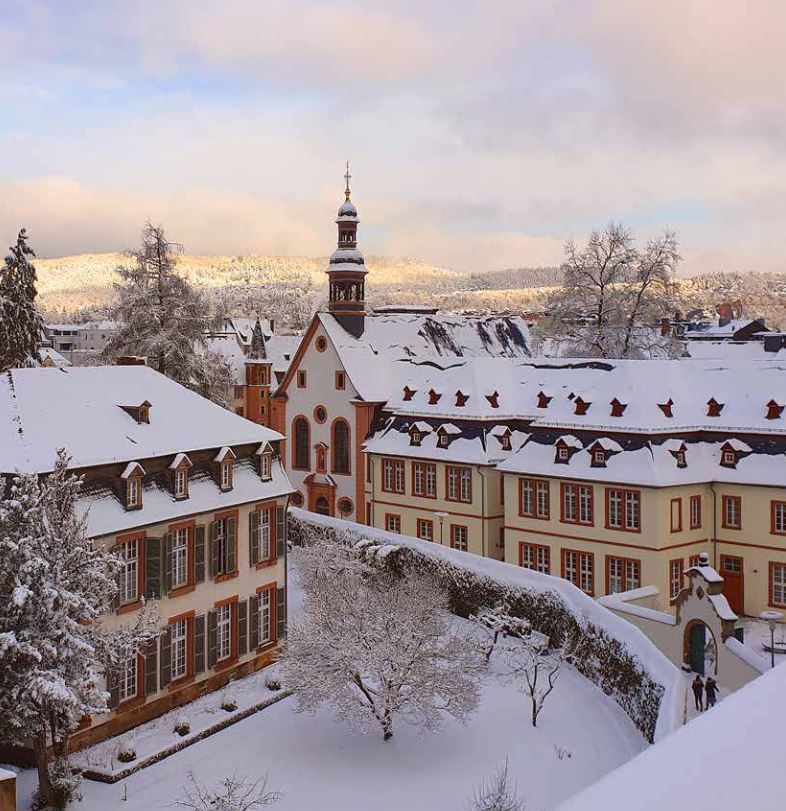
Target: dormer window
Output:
[
  {"x": 443, "y": 440},
  {"x": 774, "y": 410},
  {"x": 714, "y": 408},
  {"x": 493, "y": 399},
  {"x": 414, "y": 437},
  {"x": 543, "y": 400},
  {"x": 617, "y": 408},
  {"x": 582, "y": 406},
  {"x": 266, "y": 466},
  {"x": 729, "y": 458},
  {"x": 225, "y": 460},
  {"x": 181, "y": 483},
  {"x": 666, "y": 407},
  {"x": 226, "y": 475},
  {"x": 433, "y": 397},
  {"x": 563, "y": 455},
  {"x": 409, "y": 393},
  {"x": 504, "y": 441},
  {"x": 140, "y": 413},
  {"x": 461, "y": 399},
  {"x": 680, "y": 457},
  {"x": 131, "y": 479},
  {"x": 598, "y": 457}
]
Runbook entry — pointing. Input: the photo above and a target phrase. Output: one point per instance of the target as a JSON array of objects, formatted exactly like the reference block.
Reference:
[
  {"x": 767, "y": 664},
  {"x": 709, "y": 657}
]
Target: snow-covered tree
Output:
[
  {"x": 165, "y": 319},
  {"x": 21, "y": 325},
  {"x": 378, "y": 648},
  {"x": 497, "y": 621},
  {"x": 535, "y": 665},
  {"x": 54, "y": 586},
  {"x": 236, "y": 793},
  {"x": 497, "y": 794},
  {"x": 613, "y": 296}
]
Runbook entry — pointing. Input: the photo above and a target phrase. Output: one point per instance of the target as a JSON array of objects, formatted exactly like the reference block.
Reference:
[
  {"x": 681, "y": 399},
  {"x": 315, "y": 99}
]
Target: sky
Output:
[{"x": 482, "y": 135}]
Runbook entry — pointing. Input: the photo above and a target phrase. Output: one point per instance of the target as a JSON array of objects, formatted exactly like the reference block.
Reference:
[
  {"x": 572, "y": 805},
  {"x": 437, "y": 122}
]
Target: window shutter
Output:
[
  {"x": 167, "y": 558},
  {"x": 199, "y": 554},
  {"x": 199, "y": 644},
  {"x": 281, "y": 532},
  {"x": 166, "y": 656},
  {"x": 113, "y": 688},
  {"x": 232, "y": 536},
  {"x": 214, "y": 570},
  {"x": 253, "y": 538},
  {"x": 153, "y": 568},
  {"x": 242, "y": 628},
  {"x": 151, "y": 667},
  {"x": 116, "y": 599},
  {"x": 253, "y": 610},
  {"x": 281, "y": 612},
  {"x": 212, "y": 641}
]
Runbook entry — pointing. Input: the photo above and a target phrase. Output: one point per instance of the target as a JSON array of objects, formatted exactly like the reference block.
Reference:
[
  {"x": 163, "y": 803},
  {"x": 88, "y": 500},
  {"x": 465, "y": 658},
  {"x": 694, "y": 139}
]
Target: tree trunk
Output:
[
  {"x": 387, "y": 727},
  {"x": 534, "y": 713},
  {"x": 42, "y": 766}
]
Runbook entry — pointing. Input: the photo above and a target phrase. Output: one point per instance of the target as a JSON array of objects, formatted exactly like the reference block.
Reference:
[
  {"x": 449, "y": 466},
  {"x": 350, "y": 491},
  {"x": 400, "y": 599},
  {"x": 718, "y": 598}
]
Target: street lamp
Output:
[
  {"x": 772, "y": 618},
  {"x": 441, "y": 516}
]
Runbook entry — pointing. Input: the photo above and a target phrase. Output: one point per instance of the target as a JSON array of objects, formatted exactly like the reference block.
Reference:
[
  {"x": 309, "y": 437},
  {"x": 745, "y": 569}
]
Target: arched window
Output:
[
  {"x": 340, "y": 444},
  {"x": 301, "y": 452}
]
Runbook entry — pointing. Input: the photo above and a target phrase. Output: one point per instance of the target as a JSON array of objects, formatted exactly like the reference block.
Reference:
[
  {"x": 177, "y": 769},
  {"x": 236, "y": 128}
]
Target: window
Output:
[
  {"x": 224, "y": 545},
  {"x": 181, "y": 482},
  {"x": 676, "y": 515},
  {"x": 732, "y": 512},
  {"x": 779, "y": 517},
  {"x": 320, "y": 414},
  {"x": 680, "y": 457},
  {"x": 459, "y": 484},
  {"x": 321, "y": 343},
  {"x": 534, "y": 498},
  {"x": 179, "y": 557},
  {"x": 341, "y": 381},
  {"x": 623, "y": 574},
  {"x": 127, "y": 679},
  {"x": 226, "y": 475},
  {"x": 505, "y": 442},
  {"x": 128, "y": 581},
  {"x": 623, "y": 509},
  {"x": 536, "y": 557},
  {"x": 458, "y": 537},
  {"x": 223, "y": 632},
  {"x": 392, "y": 522},
  {"x": 599, "y": 458},
  {"x": 729, "y": 458},
  {"x": 414, "y": 437},
  {"x": 424, "y": 479},
  {"x": 425, "y": 529},
  {"x": 731, "y": 564},
  {"x": 301, "y": 379},
  {"x": 265, "y": 616},
  {"x": 778, "y": 584},
  {"x": 266, "y": 466},
  {"x": 443, "y": 440},
  {"x": 695, "y": 512},
  {"x": 340, "y": 447},
  {"x": 393, "y": 475},
  {"x": 578, "y": 568},
  {"x": 576, "y": 503},
  {"x": 179, "y": 648},
  {"x": 562, "y": 453},
  {"x": 133, "y": 492},
  {"x": 675, "y": 577},
  {"x": 261, "y": 535},
  {"x": 302, "y": 447}
]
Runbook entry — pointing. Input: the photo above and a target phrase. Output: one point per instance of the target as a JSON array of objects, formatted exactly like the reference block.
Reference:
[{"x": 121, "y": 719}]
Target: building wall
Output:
[
  {"x": 483, "y": 516},
  {"x": 658, "y": 543}
]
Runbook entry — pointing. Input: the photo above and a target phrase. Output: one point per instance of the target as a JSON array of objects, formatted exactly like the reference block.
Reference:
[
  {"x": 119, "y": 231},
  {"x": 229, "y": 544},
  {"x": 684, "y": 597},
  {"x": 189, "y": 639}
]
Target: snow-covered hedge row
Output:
[{"x": 618, "y": 657}]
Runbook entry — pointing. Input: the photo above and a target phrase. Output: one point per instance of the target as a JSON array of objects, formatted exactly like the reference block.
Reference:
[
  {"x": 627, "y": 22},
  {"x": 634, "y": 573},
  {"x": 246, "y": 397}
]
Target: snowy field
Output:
[{"x": 317, "y": 762}]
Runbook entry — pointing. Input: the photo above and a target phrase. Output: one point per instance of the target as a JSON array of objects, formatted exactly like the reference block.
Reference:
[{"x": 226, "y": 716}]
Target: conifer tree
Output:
[{"x": 20, "y": 321}]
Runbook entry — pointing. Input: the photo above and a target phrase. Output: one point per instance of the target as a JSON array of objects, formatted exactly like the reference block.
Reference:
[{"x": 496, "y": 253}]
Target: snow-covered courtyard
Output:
[{"x": 315, "y": 761}]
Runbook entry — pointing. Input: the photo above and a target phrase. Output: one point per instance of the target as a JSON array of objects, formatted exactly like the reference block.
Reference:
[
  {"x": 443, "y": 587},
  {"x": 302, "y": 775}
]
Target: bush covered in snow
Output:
[
  {"x": 182, "y": 727},
  {"x": 126, "y": 754},
  {"x": 604, "y": 660}
]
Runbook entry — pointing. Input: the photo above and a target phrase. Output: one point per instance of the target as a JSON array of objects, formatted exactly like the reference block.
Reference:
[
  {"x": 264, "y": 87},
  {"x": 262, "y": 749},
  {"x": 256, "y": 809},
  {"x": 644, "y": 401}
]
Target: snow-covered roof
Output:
[
  {"x": 224, "y": 453},
  {"x": 78, "y": 408},
  {"x": 180, "y": 459},
  {"x": 132, "y": 469},
  {"x": 689, "y": 768},
  {"x": 723, "y": 330},
  {"x": 47, "y": 353}
]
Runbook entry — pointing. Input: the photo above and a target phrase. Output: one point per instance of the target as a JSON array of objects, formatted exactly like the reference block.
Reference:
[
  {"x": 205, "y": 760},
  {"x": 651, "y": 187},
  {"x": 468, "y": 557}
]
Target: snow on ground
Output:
[
  {"x": 318, "y": 762},
  {"x": 757, "y": 632}
]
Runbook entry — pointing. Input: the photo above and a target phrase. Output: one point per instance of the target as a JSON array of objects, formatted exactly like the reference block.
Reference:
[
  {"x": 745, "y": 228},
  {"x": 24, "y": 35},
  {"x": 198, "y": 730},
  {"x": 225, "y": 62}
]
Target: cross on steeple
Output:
[{"x": 347, "y": 177}]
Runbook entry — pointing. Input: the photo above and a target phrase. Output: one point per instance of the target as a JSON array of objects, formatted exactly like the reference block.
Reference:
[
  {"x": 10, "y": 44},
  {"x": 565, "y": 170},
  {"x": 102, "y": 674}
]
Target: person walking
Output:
[
  {"x": 698, "y": 692},
  {"x": 711, "y": 691}
]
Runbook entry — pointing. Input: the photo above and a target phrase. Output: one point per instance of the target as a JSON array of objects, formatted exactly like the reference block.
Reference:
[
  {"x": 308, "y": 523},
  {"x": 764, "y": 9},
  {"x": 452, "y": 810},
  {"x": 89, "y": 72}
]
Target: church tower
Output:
[{"x": 347, "y": 271}]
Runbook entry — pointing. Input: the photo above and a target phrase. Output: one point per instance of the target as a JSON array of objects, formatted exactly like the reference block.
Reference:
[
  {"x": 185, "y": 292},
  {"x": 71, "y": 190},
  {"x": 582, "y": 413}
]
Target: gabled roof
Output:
[{"x": 42, "y": 410}]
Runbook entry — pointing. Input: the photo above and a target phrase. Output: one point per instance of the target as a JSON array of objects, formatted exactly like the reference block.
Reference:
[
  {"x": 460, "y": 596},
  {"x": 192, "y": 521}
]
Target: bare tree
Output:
[
  {"x": 496, "y": 622},
  {"x": 535, "y": 666},
  {"x": 236, "y": 793},
  {"x": 497, "y": 794},
  {"x": 377, "y": 648}
]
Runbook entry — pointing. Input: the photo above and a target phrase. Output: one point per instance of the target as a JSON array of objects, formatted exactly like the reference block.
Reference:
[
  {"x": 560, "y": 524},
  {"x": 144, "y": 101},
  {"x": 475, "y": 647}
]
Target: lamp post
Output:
[
  {"x": 441, "y": 516},
  {"x": 772, "y": 618}
]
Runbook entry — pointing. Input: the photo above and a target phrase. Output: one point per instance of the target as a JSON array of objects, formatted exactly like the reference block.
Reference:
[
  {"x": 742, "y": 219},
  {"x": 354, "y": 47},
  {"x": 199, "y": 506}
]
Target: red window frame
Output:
[
  {"x": 188, "y": 617},
  {"x": 579, "y": 555},
  {"x": 273, "y": 589},
  {"x": 535, "y": 552},
  {"x": 465, "y": 529},
  {"x": 141, "y": 537},
  {"x": 774, "y": 506},
  {"x": 695, "y": 510},
  {"x": 675, "y": 527},
  {"x": 725, "y": 502},
  {"x": 341, "y": 381},
  {"x": 679, "y": 563},
  {"x": 577, "y": 490},
  {"x": 190, "y": 584},
  {"x": 459, "y": 471},
  {"x": 535, "y": 484},
  {"x": 395, "y": 519},
  {"x": 625, "y": 574},
  {"x": 233, "y": 655},
  {"x": 771, "y": 584},
  {"x": 427, "y": 467},
  {"x": 425, "y": 522},
  {"x": 624, "y": 494},
  {"x": 302, "y": 379},
  {"x": 395, "y": 466}
]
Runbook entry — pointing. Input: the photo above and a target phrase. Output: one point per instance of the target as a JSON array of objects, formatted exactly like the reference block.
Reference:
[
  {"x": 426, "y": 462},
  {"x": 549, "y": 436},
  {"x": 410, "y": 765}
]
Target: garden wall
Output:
[{"x": 617, "y": 656}]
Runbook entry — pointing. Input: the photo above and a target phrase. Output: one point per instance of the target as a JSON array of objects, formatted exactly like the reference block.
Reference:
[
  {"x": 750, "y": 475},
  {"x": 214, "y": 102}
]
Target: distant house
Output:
[
  {"x": 191, "y": 497},
  {"x": 78, "y": 342},
  {"x": 728, "y": 329}
]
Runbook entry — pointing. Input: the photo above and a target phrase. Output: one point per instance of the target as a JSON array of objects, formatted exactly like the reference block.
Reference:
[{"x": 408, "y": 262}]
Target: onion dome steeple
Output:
[{"x": 347, "y": 270}]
